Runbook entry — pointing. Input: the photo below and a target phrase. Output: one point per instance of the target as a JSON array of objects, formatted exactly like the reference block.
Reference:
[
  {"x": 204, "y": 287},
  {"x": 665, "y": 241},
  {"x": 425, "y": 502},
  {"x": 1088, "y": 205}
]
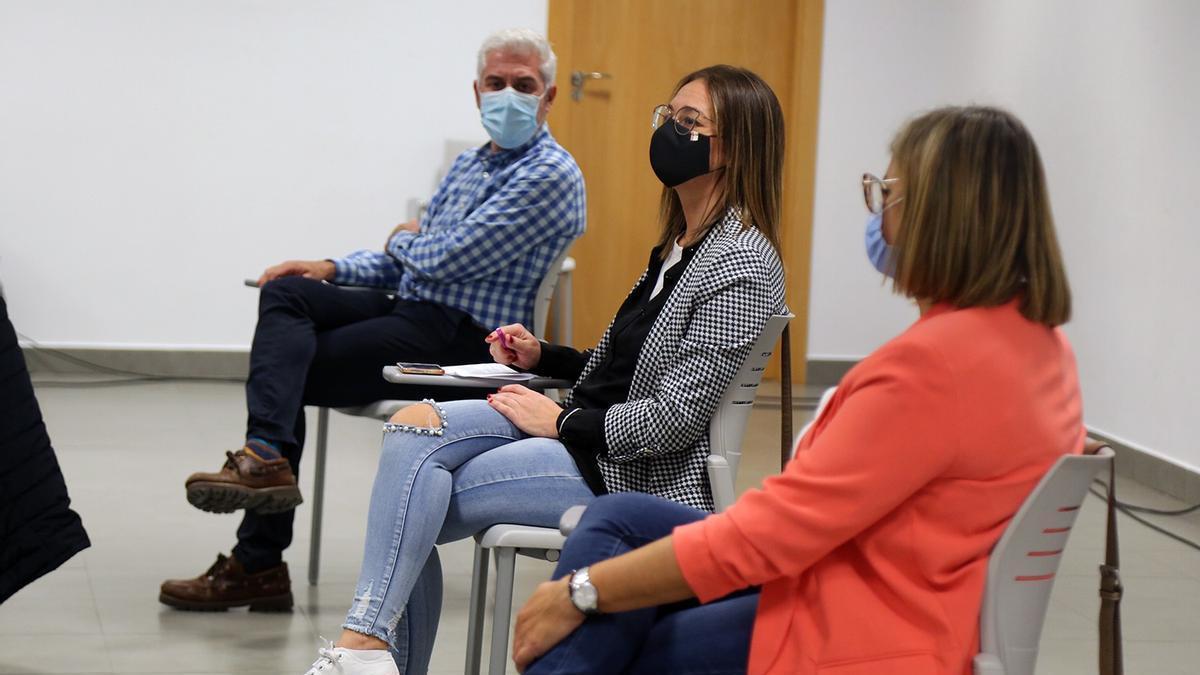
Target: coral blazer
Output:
[{"x": 872, "y": 546}]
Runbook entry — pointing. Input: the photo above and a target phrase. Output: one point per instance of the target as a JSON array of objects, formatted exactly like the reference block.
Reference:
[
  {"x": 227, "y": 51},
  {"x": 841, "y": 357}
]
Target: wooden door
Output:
[{"x": 642, "y": 48}]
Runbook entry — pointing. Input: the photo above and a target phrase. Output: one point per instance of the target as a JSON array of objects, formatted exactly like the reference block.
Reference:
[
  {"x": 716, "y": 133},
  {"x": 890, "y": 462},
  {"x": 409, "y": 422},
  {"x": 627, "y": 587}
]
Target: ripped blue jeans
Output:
[{"x": 471, "y": 470}]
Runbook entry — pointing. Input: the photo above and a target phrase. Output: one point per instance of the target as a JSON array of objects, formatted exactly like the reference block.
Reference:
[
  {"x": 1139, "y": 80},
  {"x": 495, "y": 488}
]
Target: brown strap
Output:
[
  {"x": 1111, "y": 659},
  {"x": 785, "y": 392}
]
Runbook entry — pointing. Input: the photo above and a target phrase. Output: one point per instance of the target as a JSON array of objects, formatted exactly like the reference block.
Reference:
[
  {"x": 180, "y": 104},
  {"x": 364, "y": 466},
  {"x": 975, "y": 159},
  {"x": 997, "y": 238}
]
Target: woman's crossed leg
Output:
[{"x": 446, "y": 472}]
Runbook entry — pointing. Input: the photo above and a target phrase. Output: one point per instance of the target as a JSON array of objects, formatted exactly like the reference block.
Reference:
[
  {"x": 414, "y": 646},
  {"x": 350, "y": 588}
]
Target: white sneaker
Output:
[{"x": 342, "y": 661}]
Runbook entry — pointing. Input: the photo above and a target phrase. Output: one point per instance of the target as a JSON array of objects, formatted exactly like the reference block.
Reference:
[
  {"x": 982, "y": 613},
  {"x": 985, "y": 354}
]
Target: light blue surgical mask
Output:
[
  {"x": 509, "y": 116},
  {"x": 879, "y": 252}
]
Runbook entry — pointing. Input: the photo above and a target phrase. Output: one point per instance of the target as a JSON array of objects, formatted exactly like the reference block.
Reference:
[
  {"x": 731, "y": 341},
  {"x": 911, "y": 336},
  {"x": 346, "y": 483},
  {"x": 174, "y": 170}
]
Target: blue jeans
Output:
[
  {"x": 439, "y": 485},
  {"x": 684, "y": 637}
]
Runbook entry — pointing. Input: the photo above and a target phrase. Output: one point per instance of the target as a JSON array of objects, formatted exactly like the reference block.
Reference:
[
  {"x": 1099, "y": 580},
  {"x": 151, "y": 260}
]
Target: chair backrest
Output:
[
  {"x": 826, "y": 396},
  {"x": 451, "y": 149},
  {"x": 1021, "y": 570},
  {"x": 545, "y": 294},
  {"x": 728, "y": 425}
]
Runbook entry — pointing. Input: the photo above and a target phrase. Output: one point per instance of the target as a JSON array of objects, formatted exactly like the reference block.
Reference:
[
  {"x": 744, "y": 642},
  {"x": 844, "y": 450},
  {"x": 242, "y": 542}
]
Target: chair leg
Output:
[
  {"x": 318, "y": 501},
  {"x": 502, "y": 609},
  {"x": 479, "y": 579},
  {"x": 563, "y": 321}
]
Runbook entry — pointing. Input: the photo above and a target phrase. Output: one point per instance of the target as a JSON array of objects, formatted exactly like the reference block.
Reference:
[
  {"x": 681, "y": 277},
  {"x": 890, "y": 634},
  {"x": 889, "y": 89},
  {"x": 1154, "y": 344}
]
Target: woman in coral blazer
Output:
[{"x": 868, "y": 553}]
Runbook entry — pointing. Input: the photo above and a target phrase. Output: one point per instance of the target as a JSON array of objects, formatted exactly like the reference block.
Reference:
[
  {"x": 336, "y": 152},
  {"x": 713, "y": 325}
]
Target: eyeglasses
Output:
[
  {"x": 685, "y": 119},
  {"x": 875, "y": 192}
]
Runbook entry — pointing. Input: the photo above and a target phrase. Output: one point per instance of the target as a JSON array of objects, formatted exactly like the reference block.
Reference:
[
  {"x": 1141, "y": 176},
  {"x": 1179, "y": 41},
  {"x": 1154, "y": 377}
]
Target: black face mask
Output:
[{"x": 675, "y": 157}]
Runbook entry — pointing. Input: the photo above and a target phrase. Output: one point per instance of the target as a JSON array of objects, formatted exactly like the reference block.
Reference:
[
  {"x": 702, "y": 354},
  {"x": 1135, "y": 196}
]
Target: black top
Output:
[{"x": 581, "y": 427}]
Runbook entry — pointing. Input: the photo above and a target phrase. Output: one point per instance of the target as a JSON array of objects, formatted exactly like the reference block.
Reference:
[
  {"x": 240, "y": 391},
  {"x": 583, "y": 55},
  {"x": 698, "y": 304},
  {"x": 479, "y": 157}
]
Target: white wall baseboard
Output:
[{"x": 206, "y": 362}]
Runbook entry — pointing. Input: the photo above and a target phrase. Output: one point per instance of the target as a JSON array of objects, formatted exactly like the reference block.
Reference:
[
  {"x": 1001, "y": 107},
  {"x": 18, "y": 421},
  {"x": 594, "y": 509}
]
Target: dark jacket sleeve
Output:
[
  {"x": 583, "y": 430},
  {"x": 38, "y": 529},
  {"x": 561, "y": 362}
]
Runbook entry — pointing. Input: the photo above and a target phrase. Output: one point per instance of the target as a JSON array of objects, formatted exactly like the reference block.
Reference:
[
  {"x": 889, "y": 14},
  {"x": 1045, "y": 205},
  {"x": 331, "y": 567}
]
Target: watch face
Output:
[{"x": 585, "y": 596}]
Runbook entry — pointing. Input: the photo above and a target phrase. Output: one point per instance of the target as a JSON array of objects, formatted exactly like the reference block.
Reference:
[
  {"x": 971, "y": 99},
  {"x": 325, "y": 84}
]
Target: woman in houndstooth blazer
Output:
[
  {"x": 637, "y": 418},
  {"x": 657, "y": 441}
]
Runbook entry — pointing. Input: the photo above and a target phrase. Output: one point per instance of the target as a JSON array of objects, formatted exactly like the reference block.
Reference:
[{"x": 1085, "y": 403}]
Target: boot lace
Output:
[{"x": 231, "y": 461}]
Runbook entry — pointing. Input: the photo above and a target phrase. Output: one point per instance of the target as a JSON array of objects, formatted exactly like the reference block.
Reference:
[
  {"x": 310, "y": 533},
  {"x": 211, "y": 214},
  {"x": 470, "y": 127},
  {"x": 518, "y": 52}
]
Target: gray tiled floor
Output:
[{"x": 125, "y": 451}]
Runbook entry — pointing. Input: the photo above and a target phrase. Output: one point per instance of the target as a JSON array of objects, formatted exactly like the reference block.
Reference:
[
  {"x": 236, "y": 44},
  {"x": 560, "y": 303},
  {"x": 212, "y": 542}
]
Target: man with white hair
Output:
[{"x": 473, "y": 262}]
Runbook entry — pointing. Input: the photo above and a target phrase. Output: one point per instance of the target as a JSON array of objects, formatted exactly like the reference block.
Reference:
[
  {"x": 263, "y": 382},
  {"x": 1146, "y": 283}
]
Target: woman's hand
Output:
[
  {"x": 547, "y": 617},
  {"x": 533, "y": 413},
  {"x": 518, "y": 347},
  {"x": 644, "y": 577}
]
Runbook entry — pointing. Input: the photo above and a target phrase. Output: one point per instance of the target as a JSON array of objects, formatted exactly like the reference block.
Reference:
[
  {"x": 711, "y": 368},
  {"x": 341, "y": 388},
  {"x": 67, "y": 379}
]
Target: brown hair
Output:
[
  {"x": 976, "y": 227},
  {"x": 749, "y": 124}
]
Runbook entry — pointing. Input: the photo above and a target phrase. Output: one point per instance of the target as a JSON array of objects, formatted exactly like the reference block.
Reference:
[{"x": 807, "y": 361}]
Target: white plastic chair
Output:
[
  {"x": 560, "y": 271},
  {"x": 507, "y": 540},
  {"x": 1024, "y": 562},
  {"x": 729, "y": 424},
  {"x": 826, "y": 397}
]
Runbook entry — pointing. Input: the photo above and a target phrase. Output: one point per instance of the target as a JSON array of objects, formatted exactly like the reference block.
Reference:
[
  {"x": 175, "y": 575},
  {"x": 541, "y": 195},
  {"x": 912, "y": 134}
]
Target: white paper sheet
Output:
[{"x": 491, "y": 371}]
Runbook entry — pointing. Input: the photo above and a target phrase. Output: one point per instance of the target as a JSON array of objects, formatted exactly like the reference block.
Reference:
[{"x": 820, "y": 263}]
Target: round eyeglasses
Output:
[
  {"x": 685, "y": 119},
  {"x": 875, "y": 192}
]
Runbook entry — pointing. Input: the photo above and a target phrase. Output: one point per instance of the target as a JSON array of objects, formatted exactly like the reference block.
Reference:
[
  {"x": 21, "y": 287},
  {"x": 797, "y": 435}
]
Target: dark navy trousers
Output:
[
  {"x": 684, "y": 637},
  {"x": 320, "y": 344}
]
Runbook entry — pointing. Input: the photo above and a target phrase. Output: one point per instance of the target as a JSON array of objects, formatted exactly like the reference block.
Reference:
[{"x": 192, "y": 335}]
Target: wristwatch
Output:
[{"x": 583, "y": 593}]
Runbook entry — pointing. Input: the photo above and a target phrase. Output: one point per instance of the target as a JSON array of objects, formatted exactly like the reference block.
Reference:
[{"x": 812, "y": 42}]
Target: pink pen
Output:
[{"x": 500, "y": 335}]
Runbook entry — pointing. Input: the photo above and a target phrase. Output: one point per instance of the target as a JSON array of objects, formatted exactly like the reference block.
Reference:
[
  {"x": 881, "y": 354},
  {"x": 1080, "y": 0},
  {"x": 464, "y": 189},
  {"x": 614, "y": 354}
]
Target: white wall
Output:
[
  {"x": 1110, "y": 91},
  {"x": 153, "y": 154}
]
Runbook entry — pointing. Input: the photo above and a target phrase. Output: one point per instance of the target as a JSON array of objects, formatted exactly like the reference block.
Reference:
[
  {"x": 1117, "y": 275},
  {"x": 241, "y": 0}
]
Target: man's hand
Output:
[
  {"x": 411, "y": 226},
  {"x": 322, "y": 270},
  {"x": 531, "y": 412},
  {"x": 518, "y": 348},
  {"x": 547, "y": 617}
]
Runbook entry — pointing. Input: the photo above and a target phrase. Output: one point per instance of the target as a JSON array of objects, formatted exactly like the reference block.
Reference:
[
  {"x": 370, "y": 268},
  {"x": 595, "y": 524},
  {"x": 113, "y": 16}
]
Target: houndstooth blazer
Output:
[{"x": 658, "y": 439}]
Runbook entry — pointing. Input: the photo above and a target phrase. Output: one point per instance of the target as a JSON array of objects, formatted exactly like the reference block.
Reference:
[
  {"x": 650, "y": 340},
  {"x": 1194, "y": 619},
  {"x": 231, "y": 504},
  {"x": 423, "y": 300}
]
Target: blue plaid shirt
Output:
[{"x": 494, "y": 225}]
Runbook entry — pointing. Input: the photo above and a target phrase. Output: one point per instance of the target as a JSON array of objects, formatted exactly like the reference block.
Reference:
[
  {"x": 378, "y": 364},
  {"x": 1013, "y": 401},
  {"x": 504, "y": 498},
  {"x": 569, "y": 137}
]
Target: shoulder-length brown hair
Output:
[
  {"x": 749, "y": 124},
  {"x": 976, "y": 227}
]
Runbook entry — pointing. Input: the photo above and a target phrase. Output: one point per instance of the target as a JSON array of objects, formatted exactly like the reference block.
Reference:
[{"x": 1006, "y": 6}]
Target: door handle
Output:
[{"x": 579, "y": 78}]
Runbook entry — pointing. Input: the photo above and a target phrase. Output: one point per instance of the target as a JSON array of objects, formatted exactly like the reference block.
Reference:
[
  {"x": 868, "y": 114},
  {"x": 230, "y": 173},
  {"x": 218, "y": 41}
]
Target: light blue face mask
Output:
[
  {"x": 509, "y": 116},
  {"x": 878, "y": 250}
]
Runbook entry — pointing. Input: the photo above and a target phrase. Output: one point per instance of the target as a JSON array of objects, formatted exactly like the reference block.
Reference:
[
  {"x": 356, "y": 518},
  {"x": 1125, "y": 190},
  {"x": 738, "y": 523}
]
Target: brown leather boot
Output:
[
  {"x": 245, "y": 482},
  {"x": 226, "y": 584}
]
